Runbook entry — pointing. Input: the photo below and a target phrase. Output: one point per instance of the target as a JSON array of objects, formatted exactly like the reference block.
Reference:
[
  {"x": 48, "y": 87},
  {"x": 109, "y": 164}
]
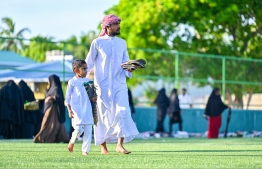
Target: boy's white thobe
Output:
[
  {"x": 78, "y": 99},
  {"x": 106, "y": 55}
]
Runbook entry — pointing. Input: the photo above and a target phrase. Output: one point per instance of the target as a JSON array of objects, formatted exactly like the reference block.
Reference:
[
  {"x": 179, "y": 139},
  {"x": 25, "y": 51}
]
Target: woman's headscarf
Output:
[
  {"x": 215, "y": 106},
  {"x": 162, "y": 99},
  {"x": 26, "y": 92},
  {"x": 107, "y": 21},
  {"x": 55, "y": 89}
]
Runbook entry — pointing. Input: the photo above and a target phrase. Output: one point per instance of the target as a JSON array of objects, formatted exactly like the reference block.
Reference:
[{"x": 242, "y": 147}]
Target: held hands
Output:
[{"x": 94, "y": 99}]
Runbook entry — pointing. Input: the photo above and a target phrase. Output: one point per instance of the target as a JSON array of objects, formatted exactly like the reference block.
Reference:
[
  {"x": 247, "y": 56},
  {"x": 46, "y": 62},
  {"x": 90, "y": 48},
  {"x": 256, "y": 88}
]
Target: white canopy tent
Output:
[{"x": 38, "y": 72}]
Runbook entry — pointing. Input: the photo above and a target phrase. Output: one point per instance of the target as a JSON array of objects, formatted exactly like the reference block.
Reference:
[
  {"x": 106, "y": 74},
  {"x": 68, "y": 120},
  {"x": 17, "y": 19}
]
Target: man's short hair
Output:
[
  {"x": 184, "y": 89},
  {"x": 77, "y": 63}
]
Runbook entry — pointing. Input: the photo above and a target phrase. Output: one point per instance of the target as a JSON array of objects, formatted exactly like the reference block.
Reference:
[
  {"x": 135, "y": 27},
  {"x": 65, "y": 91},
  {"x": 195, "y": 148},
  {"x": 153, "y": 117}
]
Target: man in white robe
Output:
[{"x": 107, "y": 54}]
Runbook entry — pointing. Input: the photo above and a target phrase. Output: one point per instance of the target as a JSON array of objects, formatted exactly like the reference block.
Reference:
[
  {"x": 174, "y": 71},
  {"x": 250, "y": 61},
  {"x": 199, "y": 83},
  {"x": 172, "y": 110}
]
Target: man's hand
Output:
[
  {"x": 71, "y": 114},
  {"x": 130, "y": 70},
  {"x": 128, "y": 67}
]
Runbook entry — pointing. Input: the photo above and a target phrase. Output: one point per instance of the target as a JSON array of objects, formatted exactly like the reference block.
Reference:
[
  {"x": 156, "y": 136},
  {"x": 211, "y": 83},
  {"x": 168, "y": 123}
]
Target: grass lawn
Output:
[{"x": 150, "y": 153}]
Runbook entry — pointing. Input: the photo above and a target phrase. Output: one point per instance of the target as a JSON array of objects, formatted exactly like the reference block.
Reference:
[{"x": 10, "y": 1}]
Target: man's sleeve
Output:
[
  {"x": 69, "y": 91},
  {"x": 91, "y": 56},
  {"x": 126, "y": 59}
]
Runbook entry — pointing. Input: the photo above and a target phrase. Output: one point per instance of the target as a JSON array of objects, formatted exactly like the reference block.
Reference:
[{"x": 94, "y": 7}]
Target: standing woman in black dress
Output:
[
  {"x": 162, "y": 103},
  {"x": 52, "y": 128},
  {"x": 174, "y": 111}
]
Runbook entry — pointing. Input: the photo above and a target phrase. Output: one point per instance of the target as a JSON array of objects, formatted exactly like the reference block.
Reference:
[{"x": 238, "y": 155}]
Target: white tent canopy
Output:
[{"x": 38, "y": 72}]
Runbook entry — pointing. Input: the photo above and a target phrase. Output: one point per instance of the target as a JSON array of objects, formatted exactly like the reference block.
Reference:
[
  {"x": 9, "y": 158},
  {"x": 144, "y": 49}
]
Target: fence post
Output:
[
  {"x": 177, "y": 70},
  {"x": 224, "y": 78},
  {"x": 63, "y": 83}
]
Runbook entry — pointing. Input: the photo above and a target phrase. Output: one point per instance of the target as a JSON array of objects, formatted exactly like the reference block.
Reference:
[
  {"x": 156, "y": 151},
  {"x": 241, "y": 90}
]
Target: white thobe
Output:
[
  {"x": 106, "y": 55},
  {"x": 185, "y": 101},
  {"x": 78, "y": 99}
]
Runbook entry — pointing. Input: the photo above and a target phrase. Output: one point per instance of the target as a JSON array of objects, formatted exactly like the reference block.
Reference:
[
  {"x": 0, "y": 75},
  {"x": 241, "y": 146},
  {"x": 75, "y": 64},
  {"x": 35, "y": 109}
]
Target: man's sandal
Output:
[
  {"x": 140, "y": 63},
  {"x": 127, "y": 66}
]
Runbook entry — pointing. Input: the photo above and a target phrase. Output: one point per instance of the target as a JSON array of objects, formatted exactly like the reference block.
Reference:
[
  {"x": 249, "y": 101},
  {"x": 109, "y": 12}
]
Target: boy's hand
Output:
[
  {"x": 94, "y": 99},
  {"x": 71, "y": 114}
]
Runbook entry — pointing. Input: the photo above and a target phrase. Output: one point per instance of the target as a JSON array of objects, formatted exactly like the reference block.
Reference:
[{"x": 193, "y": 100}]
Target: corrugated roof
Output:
[{"x": 11, "y": 58}]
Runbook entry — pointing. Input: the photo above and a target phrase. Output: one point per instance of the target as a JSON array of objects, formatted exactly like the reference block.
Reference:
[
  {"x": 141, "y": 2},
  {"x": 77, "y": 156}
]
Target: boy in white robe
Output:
[
  {"x": 107, "y": 54},
  {"x": 79, "y": 107}
]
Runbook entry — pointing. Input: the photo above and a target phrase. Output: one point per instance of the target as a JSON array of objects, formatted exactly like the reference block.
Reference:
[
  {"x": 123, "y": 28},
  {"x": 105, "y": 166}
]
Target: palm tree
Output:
[{"x": 12, "y": 41}]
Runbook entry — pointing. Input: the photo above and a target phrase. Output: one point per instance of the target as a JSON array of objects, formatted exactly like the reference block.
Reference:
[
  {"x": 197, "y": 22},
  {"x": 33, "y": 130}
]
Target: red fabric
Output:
[
  {"x": 107, "y": 20},
  {"x": 214, "y": 124}
]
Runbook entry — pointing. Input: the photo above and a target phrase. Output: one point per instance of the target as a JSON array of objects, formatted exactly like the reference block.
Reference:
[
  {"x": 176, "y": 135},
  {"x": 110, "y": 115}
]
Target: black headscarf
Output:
[
  {"x": 215, "y": 106},
  {"x": 174, "y": 102},
  {"x": 162, "y": 99},
  {"x": 55, "y": 89},
  {"x": 26, "y": 92},
  {"x": 18, "y": 103}
]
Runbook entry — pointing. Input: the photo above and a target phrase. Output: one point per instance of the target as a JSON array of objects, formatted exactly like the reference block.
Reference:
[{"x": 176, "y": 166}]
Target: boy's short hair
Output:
[{"x": 77, "y": 63}]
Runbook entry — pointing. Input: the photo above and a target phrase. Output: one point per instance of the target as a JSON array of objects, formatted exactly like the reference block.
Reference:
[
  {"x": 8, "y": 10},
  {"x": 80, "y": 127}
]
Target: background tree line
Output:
[
  {"x": 214, "y": 27},
  {"x": 226, "y": 28}
]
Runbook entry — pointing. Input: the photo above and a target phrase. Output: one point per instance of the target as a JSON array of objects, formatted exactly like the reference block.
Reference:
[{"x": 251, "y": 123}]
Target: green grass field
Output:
[{"x": 150, "y": 153}]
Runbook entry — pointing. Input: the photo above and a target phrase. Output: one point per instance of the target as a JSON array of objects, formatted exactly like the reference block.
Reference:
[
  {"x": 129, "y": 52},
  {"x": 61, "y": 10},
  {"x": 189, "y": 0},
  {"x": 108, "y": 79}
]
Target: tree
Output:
[
  {"x": 199, "y": 26},
  {"x": 38, "y": 46},
  {"x": 79, "y": 47},
  {"x": 13, "y": 39}
]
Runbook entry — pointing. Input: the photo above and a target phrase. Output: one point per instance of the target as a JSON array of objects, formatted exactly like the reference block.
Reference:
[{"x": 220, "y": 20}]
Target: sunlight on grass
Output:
[{"x": 150, "y": 153}]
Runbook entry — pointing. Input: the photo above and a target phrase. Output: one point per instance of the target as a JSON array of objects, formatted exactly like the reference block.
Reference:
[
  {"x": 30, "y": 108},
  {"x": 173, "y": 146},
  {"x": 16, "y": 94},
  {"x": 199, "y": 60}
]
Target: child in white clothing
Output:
[{"x": 79, "y": 107}]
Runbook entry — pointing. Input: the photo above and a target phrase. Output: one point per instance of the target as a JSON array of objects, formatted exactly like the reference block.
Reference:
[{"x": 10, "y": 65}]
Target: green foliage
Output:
[
  {"x": 148, "y": 153},
  {"x": 13, "y": 40},
  {"x": 79, "y": 47},
  {"x": 38, "y": 46},
  {"x": 196, "y": 26}
]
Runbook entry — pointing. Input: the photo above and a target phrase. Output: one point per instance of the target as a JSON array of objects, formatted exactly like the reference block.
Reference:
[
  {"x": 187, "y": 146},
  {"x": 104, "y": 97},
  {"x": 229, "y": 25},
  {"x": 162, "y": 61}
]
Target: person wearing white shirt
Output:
[
  {"x": 185, "y": 100},
  {"x": 107, "y": 54},
  {"x": 79, "y": 107}
]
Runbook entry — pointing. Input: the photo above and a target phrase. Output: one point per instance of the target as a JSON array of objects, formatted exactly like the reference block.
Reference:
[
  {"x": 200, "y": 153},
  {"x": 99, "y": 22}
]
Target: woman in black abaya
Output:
[
  {"x": 52, "y": 128},
  {"x": 30, "y": 116},
  {"x": 6, "y": 103},
  {"x": 213, "y": 111},
  {"x": 174, "y": 111},
  {"x": 17, "y": 110},
  {"x": 162, "y": 103}
]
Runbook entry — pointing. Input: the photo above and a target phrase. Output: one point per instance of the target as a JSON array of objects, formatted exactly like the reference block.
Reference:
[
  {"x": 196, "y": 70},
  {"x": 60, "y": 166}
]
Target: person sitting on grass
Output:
[{"x": 79, "y": 107}]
